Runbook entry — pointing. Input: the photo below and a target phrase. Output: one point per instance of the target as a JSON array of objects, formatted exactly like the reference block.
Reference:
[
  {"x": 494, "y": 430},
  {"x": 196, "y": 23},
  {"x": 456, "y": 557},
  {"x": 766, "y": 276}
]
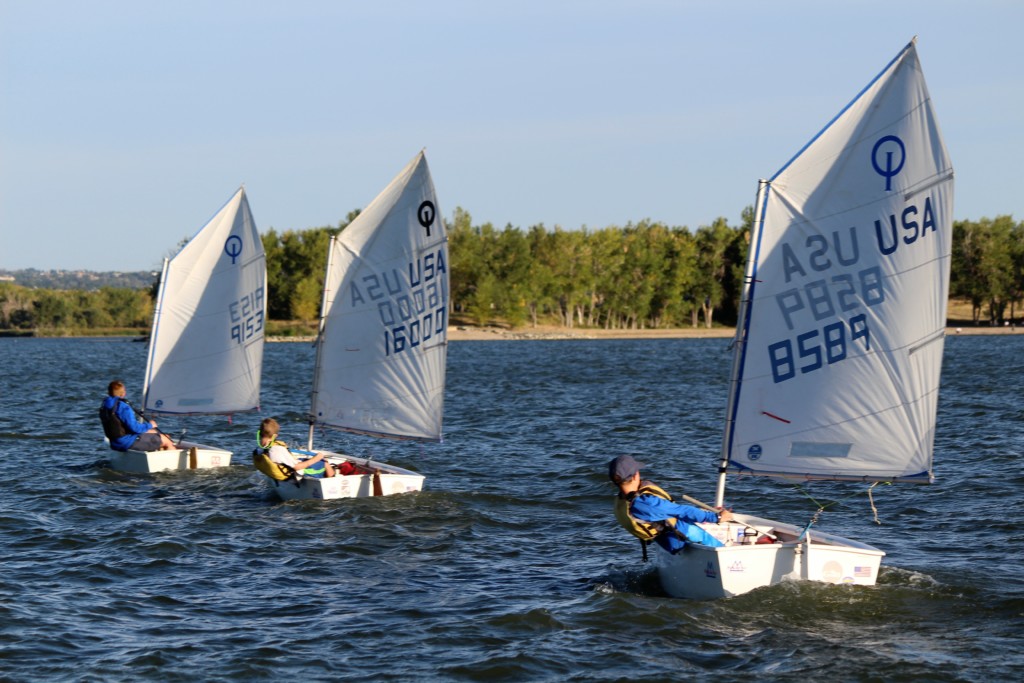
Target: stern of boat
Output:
[
  {"x": 148, "y": 462},
  {"x": 702, "y": 572},
  {"x": 393, "y": 480}
]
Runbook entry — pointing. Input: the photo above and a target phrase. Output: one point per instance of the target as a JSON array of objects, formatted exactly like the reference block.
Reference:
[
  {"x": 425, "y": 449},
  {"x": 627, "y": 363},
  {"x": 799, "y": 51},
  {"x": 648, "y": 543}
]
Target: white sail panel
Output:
[
  {"x": 206, "y": 348},
  {"x": 839, "y": 372},
  {"x": 382, "y": 348}
]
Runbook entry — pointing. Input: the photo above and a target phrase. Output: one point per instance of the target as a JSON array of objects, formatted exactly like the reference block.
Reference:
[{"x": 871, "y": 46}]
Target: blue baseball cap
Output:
[{"x": 623, "y": 467}]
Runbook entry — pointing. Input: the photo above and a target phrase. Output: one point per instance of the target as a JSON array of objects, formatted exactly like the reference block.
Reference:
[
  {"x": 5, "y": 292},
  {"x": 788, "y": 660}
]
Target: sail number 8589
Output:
[{"x": 817, "y": 348}]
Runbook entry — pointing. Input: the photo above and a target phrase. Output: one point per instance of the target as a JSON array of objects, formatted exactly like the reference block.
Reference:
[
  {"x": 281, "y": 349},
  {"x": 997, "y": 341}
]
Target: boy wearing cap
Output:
[{"x": 648, "y": 512}]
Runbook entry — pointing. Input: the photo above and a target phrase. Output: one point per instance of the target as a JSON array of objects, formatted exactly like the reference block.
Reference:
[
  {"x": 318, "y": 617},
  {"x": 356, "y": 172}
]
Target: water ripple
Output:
[{"x": 508, "y": 565}]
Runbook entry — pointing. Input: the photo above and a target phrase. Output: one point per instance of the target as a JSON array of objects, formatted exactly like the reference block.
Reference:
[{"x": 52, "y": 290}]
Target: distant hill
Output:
[{"x": 78, "y": 279}]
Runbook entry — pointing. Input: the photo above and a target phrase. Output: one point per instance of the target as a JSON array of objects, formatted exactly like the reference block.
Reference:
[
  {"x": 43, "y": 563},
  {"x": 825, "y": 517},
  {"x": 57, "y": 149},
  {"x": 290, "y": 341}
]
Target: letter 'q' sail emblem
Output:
[
  {"x": 233, "y": 247},
  {"x": 425, "y": 214},
  {"x": 884, "y": 150}
]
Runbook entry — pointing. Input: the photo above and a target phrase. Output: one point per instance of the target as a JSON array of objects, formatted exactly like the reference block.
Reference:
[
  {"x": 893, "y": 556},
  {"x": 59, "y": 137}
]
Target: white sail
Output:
[
  {"x": 206, "y": 348},
  {"x": 840, "y": 351},
  {"x": 382, "y": 348}
]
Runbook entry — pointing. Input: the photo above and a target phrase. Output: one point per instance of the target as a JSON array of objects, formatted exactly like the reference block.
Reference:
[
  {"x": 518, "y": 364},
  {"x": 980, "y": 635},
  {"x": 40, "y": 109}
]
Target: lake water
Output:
[{"x": 509, "y": 565}]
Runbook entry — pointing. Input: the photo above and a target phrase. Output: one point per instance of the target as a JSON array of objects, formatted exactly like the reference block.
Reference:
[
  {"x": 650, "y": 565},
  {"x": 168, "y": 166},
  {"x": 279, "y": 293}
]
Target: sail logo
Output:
[
  {"x": 883, "y": 156},
  {"x": 426, "y": 214},
  {"x": 754, "y": 452},
  {"x": 233, "y": 247}
]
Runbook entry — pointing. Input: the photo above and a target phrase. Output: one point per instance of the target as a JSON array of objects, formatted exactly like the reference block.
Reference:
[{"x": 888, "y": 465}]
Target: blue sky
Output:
[{"x": 126, "y": 124}]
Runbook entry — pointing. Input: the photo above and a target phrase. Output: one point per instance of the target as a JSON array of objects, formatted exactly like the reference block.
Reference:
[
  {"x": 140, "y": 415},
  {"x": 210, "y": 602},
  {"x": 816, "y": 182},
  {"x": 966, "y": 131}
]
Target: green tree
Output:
[
  {"x": 985, "y": 265},
  {"x": 481, "y": 306},
  {"x": 126, "y": 307},
  {"x": 296, "y": 261},
  {"x": 607, "y": 260},
  {"x": 53, "y": 310},
  {"x": 1016, "y": 249},
  {"x": 713, "y": 243},
  {"x": 679, "y": 259},
  {"x": 539, "y": 290},
  {"x": 511, "y": 266}
]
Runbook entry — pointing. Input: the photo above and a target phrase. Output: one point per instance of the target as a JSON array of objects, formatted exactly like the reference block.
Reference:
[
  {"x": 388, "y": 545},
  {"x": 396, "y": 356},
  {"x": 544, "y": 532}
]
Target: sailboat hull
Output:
[
  {"x": 147, "y": 462},
  {"x": 700, "y": 572},
  {"x": 393, "y": 480}
]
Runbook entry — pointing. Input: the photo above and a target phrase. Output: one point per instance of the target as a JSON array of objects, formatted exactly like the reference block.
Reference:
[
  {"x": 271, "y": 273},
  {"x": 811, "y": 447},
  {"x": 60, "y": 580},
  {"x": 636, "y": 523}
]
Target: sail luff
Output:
[
  {"x": 739, "y": 342},
  {"x": 154, "y": 330},
  {"x": 325, "y": 299}
]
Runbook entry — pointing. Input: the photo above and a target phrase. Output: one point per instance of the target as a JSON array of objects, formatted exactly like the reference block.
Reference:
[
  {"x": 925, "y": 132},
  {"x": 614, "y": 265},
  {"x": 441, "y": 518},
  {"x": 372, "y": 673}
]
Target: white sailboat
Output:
[
  {"x": 383, "y": 339},
  {"x": 839, "y": 348},
  {"x": 206, "y": 346}
]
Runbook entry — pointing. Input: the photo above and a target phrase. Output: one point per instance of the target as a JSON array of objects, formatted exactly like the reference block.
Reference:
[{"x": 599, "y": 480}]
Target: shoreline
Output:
[
  {"x": 458, "y": 333},
  {"x": 553, "y": 332}
]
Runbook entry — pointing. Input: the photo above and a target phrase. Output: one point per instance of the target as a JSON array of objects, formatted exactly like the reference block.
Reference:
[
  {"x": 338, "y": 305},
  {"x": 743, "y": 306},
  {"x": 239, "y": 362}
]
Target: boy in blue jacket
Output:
[
  {"x": 645, "y": 510},
  {"x": 124, "y": 428}
]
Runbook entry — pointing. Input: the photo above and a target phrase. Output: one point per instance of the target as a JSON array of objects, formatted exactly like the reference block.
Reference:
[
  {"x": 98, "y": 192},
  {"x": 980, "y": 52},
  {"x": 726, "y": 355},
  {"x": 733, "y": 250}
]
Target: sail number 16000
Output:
[
  {"x": 814, "y": 349},
  {"x": 415, "y": 332}
]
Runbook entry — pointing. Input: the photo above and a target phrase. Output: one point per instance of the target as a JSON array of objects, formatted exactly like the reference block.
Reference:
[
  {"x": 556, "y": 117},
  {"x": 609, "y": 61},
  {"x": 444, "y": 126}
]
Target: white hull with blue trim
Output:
[{"x": 839, "y": 348}]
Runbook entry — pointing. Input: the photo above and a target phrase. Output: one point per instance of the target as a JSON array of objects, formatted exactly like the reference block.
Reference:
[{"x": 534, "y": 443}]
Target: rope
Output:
[
  {"x": 871, "y": 500},
  {"x": 813, "y": 521},
  {"x": 822, "y": 507}
]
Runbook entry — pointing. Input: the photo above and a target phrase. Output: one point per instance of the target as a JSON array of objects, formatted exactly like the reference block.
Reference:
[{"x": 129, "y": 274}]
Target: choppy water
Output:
[{"x": 509, "y": 565}]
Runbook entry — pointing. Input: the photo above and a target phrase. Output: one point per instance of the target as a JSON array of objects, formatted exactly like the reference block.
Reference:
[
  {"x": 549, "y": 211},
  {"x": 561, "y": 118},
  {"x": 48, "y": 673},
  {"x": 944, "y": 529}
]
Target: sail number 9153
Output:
[
  {"x": 247, "y": 316},
  {"x": 814, "y": 349}
]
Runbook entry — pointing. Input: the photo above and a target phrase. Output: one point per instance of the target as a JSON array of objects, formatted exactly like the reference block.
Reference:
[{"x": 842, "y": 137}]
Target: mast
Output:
[
  {"x": 152, "y": 335},
  {"x": 739, "y": 342},
  {"x": 324, "y": 304}
]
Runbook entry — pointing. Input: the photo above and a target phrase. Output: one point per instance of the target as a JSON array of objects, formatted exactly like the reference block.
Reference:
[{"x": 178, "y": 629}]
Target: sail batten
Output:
[
  {"x": 845, "y": 300},
  {"x": 206, "y": 347}
]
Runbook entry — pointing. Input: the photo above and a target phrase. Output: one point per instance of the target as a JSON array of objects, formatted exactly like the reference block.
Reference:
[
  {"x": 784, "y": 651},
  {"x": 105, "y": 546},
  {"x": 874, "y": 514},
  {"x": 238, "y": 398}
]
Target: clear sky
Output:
[{"x": 126, "y": 124}]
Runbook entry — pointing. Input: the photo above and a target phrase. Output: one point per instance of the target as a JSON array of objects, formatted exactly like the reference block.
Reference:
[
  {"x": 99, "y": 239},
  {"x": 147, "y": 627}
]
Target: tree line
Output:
[
  {"x": 78, "y": 279},
  {"x": 645, "y": 275},
  {"x": 69, "y": 311}
]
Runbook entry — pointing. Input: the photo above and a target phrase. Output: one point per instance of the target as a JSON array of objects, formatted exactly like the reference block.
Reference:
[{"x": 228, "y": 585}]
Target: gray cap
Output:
[{"x": 623, "y": 467}]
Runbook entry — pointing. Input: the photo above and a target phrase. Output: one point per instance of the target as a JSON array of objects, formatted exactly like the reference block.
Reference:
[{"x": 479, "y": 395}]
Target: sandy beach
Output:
[
  {"x": 471, "y": 333},
  {"x": 490, "y": 333}
]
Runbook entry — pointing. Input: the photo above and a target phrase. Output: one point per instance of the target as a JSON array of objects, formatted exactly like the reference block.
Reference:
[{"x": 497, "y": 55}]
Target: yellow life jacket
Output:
[
  {"x": 645, "y": 531},
  {"x": 275, "y": 470}
]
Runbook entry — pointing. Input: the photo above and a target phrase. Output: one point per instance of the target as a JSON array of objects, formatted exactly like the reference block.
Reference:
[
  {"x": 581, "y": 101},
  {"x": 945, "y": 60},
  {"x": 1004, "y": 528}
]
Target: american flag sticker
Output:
[{"x": 862, "y": 571}]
